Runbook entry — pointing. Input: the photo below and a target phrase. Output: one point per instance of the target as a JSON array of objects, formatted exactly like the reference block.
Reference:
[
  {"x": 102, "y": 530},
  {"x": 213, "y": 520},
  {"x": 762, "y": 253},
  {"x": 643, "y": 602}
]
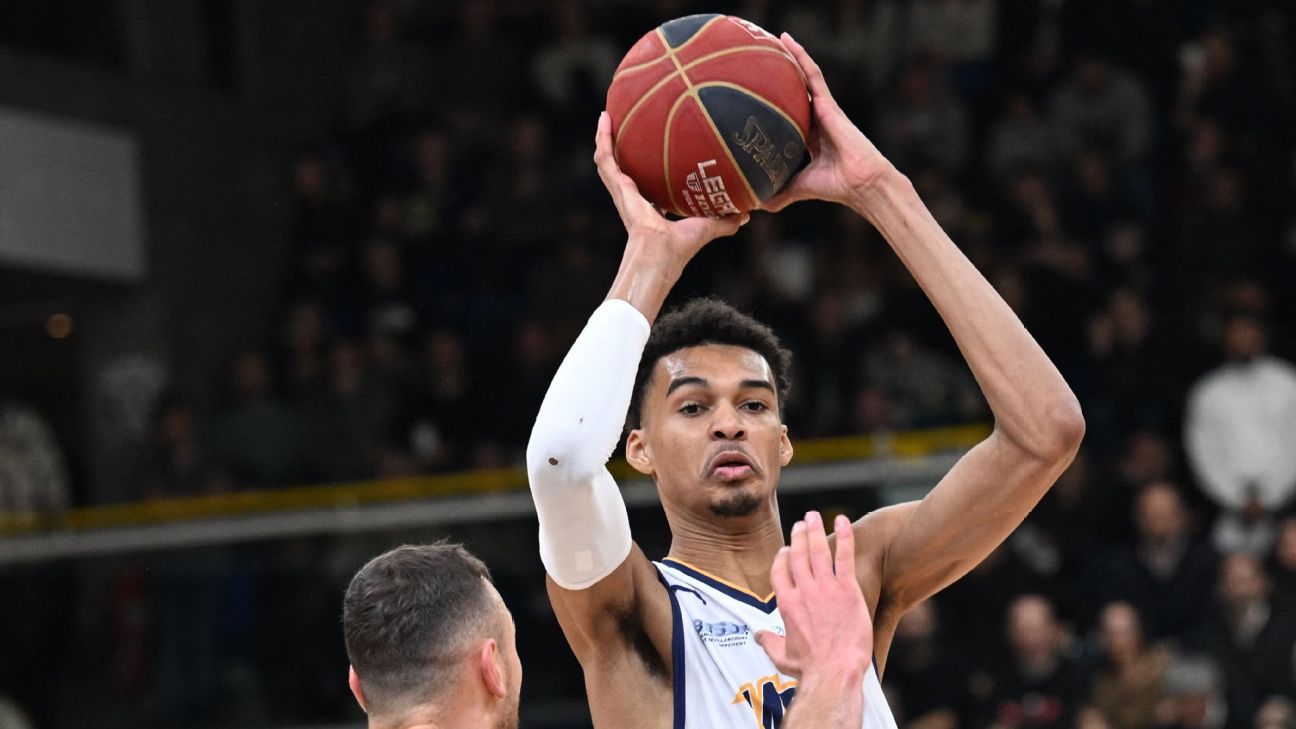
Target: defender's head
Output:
[
  {"x": 705, "y": 418},
  {"x": 429, "y": 637}
]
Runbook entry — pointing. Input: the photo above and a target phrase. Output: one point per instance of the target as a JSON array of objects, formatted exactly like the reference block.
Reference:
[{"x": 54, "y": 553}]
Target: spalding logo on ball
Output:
[{"x": 710, "y": 115}]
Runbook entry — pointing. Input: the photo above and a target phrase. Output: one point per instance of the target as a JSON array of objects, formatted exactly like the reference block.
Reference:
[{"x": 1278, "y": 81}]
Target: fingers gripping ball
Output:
[{"x": 710, "y": 115}]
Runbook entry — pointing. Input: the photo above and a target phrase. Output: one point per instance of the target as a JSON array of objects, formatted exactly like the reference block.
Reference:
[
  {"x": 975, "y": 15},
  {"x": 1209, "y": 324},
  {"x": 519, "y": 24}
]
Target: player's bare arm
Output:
[
  {"x": 910, "y": 551},
  {"x": 612, "y": 608},
  {"x": 828, "y": 641}
]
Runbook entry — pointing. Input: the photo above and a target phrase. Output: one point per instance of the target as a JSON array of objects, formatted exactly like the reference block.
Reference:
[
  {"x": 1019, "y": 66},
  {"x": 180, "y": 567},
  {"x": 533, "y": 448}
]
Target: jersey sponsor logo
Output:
[
  {"x": 722, "y": 634},
  {"x": 768, "y": 698},
  {"x": 706, "y": 195}
]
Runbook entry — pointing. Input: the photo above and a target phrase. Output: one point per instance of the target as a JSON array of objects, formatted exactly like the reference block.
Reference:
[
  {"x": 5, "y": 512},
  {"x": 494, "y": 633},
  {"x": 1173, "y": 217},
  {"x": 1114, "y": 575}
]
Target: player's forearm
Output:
[
  {"x": 1033, "y": 406},
  {"x": 584, "y": 530},
  {"x": 646, "y": 276},
  {"x": 828, "y": 700}
]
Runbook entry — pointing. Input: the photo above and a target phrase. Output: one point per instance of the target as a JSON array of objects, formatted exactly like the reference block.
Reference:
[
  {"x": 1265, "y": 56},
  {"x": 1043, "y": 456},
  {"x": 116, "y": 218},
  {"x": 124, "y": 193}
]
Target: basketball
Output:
[{"x": 710, "y": 115}]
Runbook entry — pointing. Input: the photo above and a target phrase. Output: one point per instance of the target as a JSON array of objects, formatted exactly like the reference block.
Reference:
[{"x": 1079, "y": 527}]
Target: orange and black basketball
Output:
[{"x": 710, "y": 115}]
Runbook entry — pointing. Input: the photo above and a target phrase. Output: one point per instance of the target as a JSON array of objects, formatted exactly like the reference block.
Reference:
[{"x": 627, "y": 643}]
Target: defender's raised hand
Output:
[
  {"x": 844, "y": 163},
  {"x": 829, "y": 633},
  {"x": 827, "y": 621}
]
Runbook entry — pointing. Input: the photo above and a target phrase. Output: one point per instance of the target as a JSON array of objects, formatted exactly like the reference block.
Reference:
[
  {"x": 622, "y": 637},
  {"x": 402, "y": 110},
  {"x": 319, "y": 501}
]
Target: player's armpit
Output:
[{"x": 626, "y": 612}]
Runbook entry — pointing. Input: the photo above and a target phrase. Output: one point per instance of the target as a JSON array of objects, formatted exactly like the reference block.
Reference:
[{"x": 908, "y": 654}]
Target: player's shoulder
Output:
[{"x": 875, "y": 531}]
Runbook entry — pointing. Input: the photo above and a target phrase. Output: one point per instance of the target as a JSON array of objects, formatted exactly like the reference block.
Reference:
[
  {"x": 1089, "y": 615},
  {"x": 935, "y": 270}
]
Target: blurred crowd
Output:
[
  {"x": 1123, "y": 175},
  {"x": 1123, "y": 172}
]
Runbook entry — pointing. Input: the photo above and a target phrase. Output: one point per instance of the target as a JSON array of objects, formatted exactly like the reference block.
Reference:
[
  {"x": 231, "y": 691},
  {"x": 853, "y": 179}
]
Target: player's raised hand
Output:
[
  {"x": 680, "y": 240},
  {"x": 827, "y": 622},
  {"x": 843, "y": 162}
]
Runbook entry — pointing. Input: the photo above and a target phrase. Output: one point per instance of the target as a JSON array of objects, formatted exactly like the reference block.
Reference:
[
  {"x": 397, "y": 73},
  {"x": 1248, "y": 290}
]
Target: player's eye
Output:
[
  {"x": 690, "y": 408},
  {"x": 755, "y": 406}
]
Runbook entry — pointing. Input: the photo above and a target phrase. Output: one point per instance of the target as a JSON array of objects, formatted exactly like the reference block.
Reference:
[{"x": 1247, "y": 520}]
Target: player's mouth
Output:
[{"x": 730, "y": 464}]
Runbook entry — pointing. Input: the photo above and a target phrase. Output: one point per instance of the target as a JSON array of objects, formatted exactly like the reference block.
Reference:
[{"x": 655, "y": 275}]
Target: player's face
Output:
[{"x": 712, "y": 436}]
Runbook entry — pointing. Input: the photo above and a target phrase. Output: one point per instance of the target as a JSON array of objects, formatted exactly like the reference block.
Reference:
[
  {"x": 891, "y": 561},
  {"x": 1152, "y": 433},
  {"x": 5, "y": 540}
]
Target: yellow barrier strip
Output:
[{"x": 904, "y": 445}]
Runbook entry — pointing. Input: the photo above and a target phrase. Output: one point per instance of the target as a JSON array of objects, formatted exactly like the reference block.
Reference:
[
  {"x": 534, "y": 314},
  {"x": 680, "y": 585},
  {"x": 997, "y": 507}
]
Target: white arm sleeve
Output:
[{"x": 584, "y": 528}]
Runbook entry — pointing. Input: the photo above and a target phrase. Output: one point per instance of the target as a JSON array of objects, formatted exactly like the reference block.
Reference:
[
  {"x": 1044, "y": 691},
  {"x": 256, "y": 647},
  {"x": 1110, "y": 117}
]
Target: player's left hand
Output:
[
  {"x": 844, "y": 164},
  {"x": 827, "y": 621}
]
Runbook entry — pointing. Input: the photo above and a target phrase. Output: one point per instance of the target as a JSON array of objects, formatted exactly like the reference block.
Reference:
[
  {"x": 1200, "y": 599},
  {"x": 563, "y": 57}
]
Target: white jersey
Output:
[{"x": 723, "y": 679}]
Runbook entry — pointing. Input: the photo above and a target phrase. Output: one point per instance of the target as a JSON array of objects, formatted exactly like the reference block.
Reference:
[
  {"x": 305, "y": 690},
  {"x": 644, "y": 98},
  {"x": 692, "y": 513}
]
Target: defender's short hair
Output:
[
  {"x": 709, "y": 321},
  {"x": 407, "y": 616}
]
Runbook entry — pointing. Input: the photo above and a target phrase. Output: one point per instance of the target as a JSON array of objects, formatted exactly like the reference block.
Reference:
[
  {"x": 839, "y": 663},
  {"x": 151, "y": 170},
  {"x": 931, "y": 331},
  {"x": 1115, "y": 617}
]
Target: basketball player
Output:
[
  {"x": 430, "y": 641},
  {"x": 672, "y": 643},
  {"x": 432, "y": 644}
]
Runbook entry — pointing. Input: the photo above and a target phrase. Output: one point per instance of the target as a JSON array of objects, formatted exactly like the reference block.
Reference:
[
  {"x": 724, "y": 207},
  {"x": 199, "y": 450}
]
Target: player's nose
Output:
[{"x": 725, "y": 423}]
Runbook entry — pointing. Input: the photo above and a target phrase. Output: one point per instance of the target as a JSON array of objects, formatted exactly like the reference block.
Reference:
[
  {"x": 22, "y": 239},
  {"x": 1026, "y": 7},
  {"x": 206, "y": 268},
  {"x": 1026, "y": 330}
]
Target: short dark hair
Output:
[
  {"x": 406, "y": 616},
  {"x": 709, "y": 321}
]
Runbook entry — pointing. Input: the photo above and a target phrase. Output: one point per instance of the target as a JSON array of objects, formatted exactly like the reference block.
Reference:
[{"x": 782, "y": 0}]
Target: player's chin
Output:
[
  {"x": 738, "y": 498},
  {"x": 737, "y": 504}
]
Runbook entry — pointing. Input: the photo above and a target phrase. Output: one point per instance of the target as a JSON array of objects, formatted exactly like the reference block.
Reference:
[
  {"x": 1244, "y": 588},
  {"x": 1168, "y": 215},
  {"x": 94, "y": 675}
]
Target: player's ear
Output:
[
  {"x": 785, "y": 447},
  {"x": 637, "y": 452},
  {"x": 354, "y": 682},
  {"x": 490, "y": 663}
]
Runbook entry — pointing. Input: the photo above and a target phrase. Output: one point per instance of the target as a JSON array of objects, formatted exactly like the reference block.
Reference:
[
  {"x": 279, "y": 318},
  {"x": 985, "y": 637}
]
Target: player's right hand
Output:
[
  {"x": 827, "y": 622},
  {"x": 675, "y": 241}
]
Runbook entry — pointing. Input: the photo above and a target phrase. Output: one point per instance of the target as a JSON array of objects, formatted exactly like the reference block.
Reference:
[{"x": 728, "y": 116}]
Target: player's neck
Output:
[
  {"x": 457, "y": 715},
  {"x": 739, "y": 551}
]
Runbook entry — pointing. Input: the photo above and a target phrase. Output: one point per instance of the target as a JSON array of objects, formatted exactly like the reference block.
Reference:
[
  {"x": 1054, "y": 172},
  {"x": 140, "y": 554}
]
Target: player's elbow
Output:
[
  {"x": 1064, "y": 430},
  {"x": 1055, "y": 435},
  {"x": 559, "y": 456}
]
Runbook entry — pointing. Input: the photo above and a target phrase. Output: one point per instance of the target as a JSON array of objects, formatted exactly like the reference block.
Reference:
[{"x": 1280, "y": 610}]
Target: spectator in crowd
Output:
[
  {"x": 178, "y": 463},
  {"x": 439, "y": 423},
  {"x": 476, "y": 71},
  {"x": 1067, "y": 529},
  {"x": 1199, "y": 262},
  {"x": 1253, "y": 643},
  {"x": 924, "y": 388},
  {"x": 33, "y": 474},
  {"x": 426, "y": 208},
  {"x": 1128, "y": 686},
  {"x": 1237, "y": 432},
  {"x": 1040, "y": 685},
  {"x": 1277, "y": 712},
  {"x": 389, "y": 304},
  {"x": 577, "y": 65},
  {"x": 1021, "y": 139},
  {"x": 256, "y": 439},
  {"x": 856, "y": 37},
  {"x": 1196, "y": 695},
  {"x": 962, "y": 30},
  {"x": 351, "y": 421},
  {"x": 1091, "y": 717},
  {"x": 1165, "y": 572},
  {"x": 925, "y": 683},
  {"x": 830, "y": 377},
  {"x": 1134, "y": 388},
  {"x": 302, "y": 364},
  {"x": 12, "y": 717},
  {"x": 1102, "y": 105},
  {"x": 1282, "y": 567},
  {"x": 384, "y": 79},
  {"x": 927, "y": 124}
]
